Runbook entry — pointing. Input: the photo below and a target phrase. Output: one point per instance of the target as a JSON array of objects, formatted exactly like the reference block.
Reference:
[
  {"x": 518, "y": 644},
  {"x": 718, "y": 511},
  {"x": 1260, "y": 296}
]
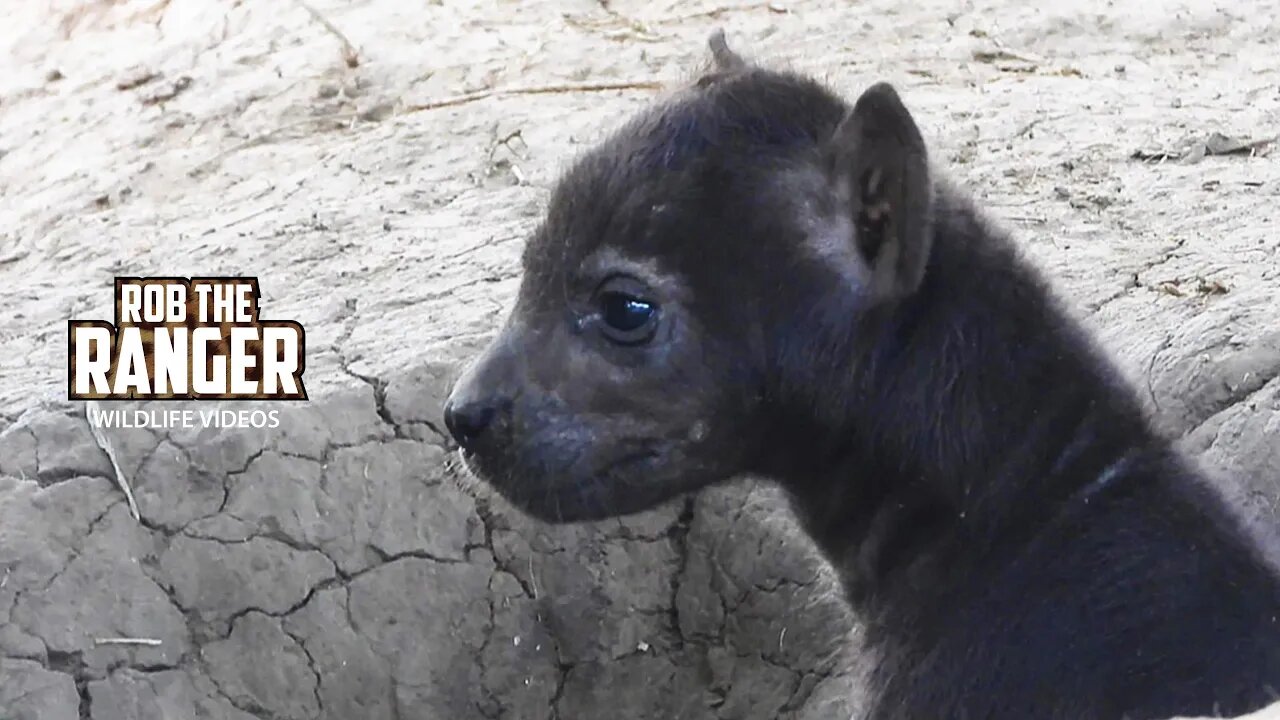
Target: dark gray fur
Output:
[{"x": 820, "y": 310}]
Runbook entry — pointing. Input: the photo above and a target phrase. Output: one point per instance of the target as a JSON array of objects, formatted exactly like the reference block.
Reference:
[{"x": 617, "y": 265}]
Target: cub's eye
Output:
[
  {"x": 627, "y": 319},
  {"x": 625, "y": 313}
]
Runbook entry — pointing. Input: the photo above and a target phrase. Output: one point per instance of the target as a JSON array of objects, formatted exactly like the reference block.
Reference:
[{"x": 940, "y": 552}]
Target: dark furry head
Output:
[{"x": 647, "y": 352}]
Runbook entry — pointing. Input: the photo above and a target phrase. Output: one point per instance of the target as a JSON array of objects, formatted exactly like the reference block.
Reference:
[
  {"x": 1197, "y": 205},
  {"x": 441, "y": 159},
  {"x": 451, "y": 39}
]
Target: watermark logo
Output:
[{"x": 186, "y": 339}]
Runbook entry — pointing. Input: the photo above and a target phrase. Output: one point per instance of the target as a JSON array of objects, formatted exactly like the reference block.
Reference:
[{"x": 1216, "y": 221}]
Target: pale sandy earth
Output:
[{"x": 332, "y": 568}]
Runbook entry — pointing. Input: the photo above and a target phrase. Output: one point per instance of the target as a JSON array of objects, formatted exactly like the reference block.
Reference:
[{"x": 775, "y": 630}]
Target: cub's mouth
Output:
[{"x": 573, "y": 491}]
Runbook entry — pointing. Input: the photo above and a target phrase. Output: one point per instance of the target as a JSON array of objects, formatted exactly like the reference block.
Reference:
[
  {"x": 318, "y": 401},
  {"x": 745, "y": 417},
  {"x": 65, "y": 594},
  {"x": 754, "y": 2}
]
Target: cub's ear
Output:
[
  {"x": 880, "y": 171},
  {"x": 724, "y": 61}
]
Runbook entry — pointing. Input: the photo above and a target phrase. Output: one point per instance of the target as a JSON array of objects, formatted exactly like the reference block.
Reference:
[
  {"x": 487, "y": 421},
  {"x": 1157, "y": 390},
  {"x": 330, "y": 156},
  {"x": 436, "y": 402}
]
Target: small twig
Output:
[
  {"x": 157, "y": 11},
  {"x": 1015, "y": 55},
  {"x": 151, "y": 642},
  {"x": 99, "y": 437},
  {"x": 991, "y": 56},
  {"x": 534, "y": 90},
  {"x": 17, "y": 255},
  {"x": 349, "y": 54},
  {"x": 506, "y": 142},
  {"x": 264, "y": 137},
  {"x": 632, "y": 29},
  {"x": 1029, "y": 127},
  {"x": 773, "y": 6},
  {"x": 253, "y": 214}
]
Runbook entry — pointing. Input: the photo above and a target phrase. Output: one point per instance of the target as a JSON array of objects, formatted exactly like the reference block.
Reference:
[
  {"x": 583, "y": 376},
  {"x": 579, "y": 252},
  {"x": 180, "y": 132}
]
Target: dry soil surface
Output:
[{"x": 334, "y": 567}]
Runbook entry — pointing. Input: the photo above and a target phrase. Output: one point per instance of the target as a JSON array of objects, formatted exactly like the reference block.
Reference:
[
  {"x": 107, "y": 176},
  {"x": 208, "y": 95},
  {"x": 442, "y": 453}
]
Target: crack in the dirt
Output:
[
  {"x": 1236, "y": 399},
  {"x": 272, "y": 532},
  {"x": 1151, "y": 369},
  {"x": 1165, "y": 255},
  {"x": 562, "y": 678},
  {"x": 248, "y": 705},
  {"x": 489, "y": 696},
  {"x": 244, "y": 705},
  {"x": 378, "y": 385},
  {"x": 52, "y": 477},
  {"x": 45, "y": 478},
  {"x": 74, "y": 551},
  {"x": 1130, "y": 285},
  {"x": 773, "y": 585},
  {"x": 385, "y": 558},
  {"x": 1253, "y": 382},
  {"x": 227, "y": 478},
  {"x": 804, "y": 690},
  {"x": 485, "y": 513},
  {"x": 202, "y": 631},
  {"x": 340, "y": 579},
  {"x": 446, "y": 440},
  {"x": 1135, "y": 280},
  {"x": 248, "y": 462},
  {"x": 39, "y": 464},
  {"x": 563, "y": 668},
  {"x": 311, "y": 664},
  {"x": 326, "y": 584},
  {"x": 484, "y": 278},
  {"x": 489, "y": 244},
  {"x": 146, "y": 667},
  {"x": 35, "y": 448},
  {"x": 150, "y": 454},
  {"x": 679, "y": 535},
  {"x": 198, "y": 630},
  {"x": 72, "y": 663},
  {"x": 48, "y": 477},
  {"x": 380, "y": 401}
]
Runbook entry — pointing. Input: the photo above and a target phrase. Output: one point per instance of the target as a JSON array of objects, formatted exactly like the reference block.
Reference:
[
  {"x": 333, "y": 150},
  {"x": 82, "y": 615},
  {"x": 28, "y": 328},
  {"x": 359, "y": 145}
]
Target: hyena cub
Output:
[{"x": 754, "y": 277}]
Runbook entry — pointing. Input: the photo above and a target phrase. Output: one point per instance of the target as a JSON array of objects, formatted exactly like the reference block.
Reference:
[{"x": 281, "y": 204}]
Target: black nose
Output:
[{"x": 467, "y": 422}]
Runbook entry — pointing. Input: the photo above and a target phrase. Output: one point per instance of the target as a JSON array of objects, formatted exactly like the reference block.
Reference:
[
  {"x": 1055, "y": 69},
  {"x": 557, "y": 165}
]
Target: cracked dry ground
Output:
[{"x": 335, "y": 567}]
